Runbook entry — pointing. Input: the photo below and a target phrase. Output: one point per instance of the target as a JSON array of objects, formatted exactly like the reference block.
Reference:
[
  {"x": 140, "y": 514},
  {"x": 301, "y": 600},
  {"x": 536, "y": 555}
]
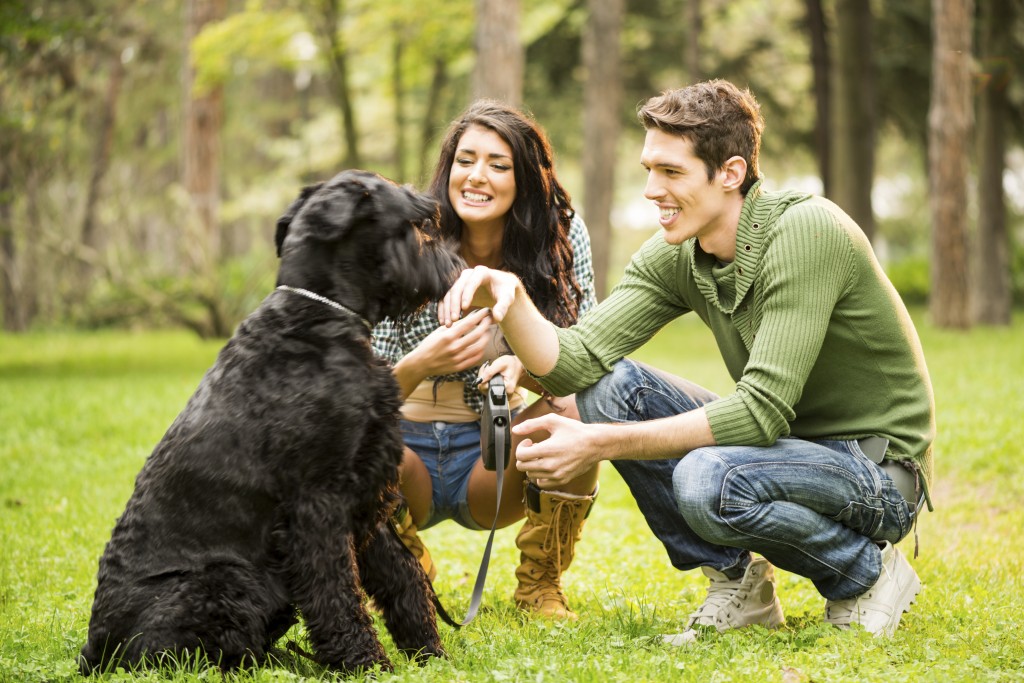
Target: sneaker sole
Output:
[{"x": 907, "y": 598}]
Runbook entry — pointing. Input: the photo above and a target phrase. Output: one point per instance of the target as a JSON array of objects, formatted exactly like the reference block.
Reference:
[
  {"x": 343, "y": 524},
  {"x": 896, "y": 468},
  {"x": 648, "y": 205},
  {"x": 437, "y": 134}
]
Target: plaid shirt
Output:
[{"x": 392, "y": 340}]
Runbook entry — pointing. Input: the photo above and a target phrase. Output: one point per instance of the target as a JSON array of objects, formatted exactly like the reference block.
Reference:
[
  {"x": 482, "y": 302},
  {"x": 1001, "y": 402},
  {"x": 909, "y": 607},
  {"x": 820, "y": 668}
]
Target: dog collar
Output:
[{"x": 324, "y": 300}]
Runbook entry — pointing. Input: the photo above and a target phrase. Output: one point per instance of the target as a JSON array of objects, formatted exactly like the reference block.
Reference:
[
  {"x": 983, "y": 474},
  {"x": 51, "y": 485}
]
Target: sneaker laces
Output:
[{"x": 721, "y": 593}]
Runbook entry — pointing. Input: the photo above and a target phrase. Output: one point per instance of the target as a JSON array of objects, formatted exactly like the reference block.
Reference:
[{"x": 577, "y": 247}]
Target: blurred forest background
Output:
[{"x": 147, "y": 147}]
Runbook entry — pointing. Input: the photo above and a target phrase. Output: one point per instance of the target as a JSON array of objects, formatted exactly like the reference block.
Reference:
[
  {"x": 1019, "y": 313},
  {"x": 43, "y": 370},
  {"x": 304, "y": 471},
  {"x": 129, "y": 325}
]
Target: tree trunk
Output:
[
  {"x": 91, "y": 240},
  {"x": 992, "y": 301},
  {"x": 398, "y": 92},
  {"x": 854, "y": 113},
  {"x": 818, "y": 33},
  {"x": 498, "y": 73},
  {"x": 430, "y": 117},
  {"x": 602, "y": 94},
  {"x": 201, "y": 168},
  {"x": 13, "y": 320},
  {"x": 949, "y": 127},
  {"x": 326, "y": 18},
  {"x": 694, "y": 29}
]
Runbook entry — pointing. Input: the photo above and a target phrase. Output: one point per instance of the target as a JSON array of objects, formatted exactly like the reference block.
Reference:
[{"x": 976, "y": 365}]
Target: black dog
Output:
[{"x": 269, "y": 494}]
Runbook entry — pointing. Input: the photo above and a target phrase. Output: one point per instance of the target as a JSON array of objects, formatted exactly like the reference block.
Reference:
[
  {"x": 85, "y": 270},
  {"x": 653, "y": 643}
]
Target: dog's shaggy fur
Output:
[{"x": 268, "y": 495}]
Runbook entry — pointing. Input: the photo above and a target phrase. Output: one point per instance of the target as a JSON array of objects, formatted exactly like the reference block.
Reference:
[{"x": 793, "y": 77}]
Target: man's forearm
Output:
[
  {"x": 531, "y": 336},
  {"x": 668, "y": 437}
]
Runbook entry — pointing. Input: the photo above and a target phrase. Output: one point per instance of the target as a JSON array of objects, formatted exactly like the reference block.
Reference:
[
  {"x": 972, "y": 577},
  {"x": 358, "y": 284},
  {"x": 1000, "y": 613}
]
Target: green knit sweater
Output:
[{"x": 814, "y": 334}]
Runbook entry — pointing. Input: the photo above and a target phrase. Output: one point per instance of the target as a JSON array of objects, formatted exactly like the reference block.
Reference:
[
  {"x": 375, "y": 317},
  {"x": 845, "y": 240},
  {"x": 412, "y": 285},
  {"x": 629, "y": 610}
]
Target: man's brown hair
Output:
[{"x": 719, "y": 120}]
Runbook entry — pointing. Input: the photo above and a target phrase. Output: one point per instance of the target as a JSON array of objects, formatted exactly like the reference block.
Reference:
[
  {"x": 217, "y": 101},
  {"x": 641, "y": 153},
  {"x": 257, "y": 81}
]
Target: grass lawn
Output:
[{"x": 79, "y": 413}]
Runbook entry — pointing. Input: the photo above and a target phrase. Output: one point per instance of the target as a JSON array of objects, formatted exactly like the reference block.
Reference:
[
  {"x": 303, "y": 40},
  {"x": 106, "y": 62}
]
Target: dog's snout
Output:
[{"x": 425, "y": 207}]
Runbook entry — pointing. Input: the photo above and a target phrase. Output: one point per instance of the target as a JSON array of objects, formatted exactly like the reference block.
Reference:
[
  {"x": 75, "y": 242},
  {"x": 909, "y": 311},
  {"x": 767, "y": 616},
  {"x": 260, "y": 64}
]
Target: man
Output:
[{"x": 820, "y": 459}]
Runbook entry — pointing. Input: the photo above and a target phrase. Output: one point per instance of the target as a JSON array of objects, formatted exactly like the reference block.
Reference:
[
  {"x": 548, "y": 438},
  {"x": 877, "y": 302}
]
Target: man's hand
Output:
[
  {"x": 480, "y": 286},
  {"x": 532, "y": 338},
  {"x": 560, "y": 450}
]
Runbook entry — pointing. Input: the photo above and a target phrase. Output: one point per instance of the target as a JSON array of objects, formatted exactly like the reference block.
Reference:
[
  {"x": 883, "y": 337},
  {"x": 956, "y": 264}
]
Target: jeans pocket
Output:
[
  {"x": 899, "y": 516},
  {"x": 861, "y": 517}
]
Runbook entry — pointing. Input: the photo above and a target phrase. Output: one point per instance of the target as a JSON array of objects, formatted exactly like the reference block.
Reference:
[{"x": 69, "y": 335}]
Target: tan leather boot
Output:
[
  {"x": 547, "y": 542},
  {"x": 406, "y": 528}
]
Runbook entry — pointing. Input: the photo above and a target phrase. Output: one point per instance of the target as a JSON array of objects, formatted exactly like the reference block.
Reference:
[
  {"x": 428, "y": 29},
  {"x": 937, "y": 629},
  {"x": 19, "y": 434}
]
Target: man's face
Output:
[{"x": 677, "y": 182}]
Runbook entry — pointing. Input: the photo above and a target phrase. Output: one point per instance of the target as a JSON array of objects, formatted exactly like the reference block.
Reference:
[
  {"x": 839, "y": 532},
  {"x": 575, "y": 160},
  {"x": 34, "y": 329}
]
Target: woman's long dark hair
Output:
[{"x": 535, "y": 245}]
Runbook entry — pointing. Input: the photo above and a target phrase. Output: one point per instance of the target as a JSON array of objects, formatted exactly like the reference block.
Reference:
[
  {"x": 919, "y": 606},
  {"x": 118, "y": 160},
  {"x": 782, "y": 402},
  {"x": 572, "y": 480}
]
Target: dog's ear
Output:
[{"x": 285, "y": 221}]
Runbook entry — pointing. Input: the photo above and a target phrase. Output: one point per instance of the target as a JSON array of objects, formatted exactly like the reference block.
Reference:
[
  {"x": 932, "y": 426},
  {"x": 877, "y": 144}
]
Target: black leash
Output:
[{"x": 495, "y": 422}]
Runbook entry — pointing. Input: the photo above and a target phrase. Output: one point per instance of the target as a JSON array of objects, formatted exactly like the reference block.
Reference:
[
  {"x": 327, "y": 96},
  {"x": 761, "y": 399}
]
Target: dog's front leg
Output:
[
  {"x": 325, "y": 585},
  {"x": 397, "y": 584}
]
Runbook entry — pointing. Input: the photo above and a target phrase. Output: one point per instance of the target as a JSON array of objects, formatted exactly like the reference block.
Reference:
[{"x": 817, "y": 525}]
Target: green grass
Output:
[{"x": 80, "y": 412}]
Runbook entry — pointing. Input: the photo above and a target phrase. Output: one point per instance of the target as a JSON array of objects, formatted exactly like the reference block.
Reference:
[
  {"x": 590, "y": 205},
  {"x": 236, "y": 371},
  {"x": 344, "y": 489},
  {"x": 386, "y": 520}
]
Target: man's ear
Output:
[
  {"x": 285, "y": 221},
  {"x": 733, "y": 173}
]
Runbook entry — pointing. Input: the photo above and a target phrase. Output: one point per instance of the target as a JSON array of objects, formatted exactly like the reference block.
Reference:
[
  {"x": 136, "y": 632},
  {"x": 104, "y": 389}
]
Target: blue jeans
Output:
[
  {"x": 815, "y": 508},
  {"x": 449, "y": 450}
]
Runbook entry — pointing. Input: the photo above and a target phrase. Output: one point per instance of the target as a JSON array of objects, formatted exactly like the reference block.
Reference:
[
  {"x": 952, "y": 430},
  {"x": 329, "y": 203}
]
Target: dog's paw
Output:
[
  {"x": 423, "y": 655},
  {"x": 361, "y": 663}
]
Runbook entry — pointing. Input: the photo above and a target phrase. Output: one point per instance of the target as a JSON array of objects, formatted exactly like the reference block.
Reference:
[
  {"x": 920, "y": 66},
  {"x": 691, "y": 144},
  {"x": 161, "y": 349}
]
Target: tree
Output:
[
  {"x": 818, "y": 31},
  {"x": 694, "y": 28},
  {"x": 498, "y": 72},
  {"x": 398, "y": 91},
  {"x": 602, "y": 94},
  {"x": 992, "y": 300},
  {"x": 949, "y": 127},
  {"x": 853, "y": 113},
  {"x": 90, "y": 236},
  {"x": 325, "y": 17},
  {"x": 204, "y": 111},
  {"x": 41, "y": 51}
]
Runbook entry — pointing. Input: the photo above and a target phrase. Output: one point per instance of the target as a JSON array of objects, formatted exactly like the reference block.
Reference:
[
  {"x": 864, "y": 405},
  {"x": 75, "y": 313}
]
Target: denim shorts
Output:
[{"x": 449, "y": 450}]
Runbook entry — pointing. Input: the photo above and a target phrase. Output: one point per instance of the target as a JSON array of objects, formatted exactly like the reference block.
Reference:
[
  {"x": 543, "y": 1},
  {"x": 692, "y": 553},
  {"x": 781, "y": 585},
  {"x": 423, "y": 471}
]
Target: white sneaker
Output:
[
  {"x": 880, "y": 609},
  {"x": 734, "y": 603}
]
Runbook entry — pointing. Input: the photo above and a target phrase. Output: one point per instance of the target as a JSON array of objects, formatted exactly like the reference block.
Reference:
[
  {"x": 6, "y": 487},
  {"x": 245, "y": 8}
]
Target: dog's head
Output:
[{"x": 359, "y": 239}]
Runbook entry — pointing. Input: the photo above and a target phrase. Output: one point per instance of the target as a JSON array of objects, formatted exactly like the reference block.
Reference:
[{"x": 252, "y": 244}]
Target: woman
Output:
[{"x": 503, "y": 206}]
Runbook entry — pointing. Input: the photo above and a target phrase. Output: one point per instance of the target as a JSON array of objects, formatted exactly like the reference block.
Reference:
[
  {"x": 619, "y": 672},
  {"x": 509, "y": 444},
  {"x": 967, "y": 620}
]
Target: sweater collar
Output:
[{"x": 759, "y": 212}]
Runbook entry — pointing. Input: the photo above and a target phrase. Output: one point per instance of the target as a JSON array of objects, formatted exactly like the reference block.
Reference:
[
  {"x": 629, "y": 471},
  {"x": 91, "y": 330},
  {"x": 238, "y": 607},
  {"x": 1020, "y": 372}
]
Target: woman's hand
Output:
[
  {"x": 509, "y": 367},
  {"x": 446, "y": 350}
]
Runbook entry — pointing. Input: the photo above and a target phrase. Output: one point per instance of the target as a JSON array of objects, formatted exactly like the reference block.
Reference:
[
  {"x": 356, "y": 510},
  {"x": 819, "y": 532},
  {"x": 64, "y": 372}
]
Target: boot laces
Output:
[{"x": 560, "y": 534}]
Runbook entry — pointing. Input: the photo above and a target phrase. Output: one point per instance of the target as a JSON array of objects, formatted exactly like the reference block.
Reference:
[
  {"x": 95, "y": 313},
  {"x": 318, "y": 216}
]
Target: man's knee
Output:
[
  {"x": 605, "y": 399},
  {"x": 697, "y": 485}
]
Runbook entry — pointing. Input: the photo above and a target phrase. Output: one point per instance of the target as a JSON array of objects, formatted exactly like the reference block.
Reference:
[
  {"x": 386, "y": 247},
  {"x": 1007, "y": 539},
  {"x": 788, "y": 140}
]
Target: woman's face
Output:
[{"x": 482, "y": 181}]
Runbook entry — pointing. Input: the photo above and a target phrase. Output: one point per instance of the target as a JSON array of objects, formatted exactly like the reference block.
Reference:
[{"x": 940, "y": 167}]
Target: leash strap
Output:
[{"x": 481, "y": 575}]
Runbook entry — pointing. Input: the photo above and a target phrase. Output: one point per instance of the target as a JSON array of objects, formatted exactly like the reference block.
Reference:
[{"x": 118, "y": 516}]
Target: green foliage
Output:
[
  {"x": 911, "y": 278},
  {"x": 211, "y": 308},
  {"x": 82, "y": 411},
  {"x": 903, "y": 65},
  {"x": 262, "y": 40},
  {"x": 281, "y": 127}
]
